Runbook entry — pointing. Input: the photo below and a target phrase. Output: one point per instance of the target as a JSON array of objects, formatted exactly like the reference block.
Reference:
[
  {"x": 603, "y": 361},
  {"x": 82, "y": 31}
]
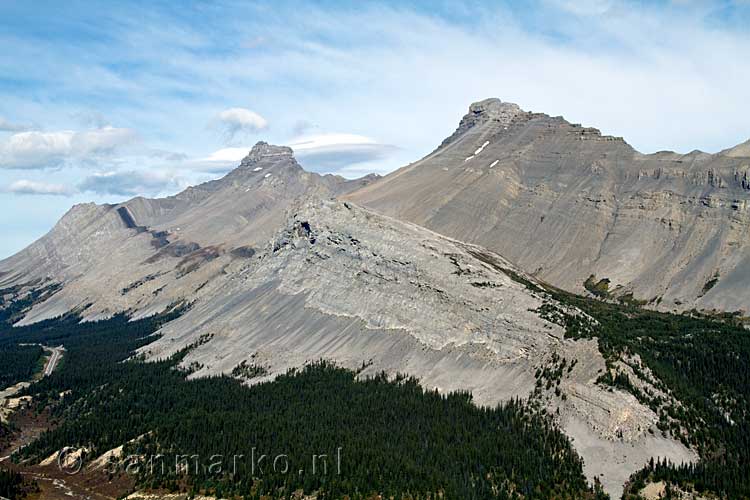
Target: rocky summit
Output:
[{"x": 580, "y": 209}]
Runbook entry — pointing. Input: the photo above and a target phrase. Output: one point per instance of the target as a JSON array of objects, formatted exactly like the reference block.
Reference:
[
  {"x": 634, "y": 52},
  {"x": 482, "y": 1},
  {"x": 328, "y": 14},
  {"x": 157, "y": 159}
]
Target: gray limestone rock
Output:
[{"x": 566, "y": 202}]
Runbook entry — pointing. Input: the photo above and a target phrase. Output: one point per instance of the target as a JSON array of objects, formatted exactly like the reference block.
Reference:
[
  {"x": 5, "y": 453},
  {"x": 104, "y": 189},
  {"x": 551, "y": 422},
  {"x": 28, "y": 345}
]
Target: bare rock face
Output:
[
  {"x": 566, "y": 202},
  {"x": 490, "y": 111},
  {"x": 147, "y": 254}
]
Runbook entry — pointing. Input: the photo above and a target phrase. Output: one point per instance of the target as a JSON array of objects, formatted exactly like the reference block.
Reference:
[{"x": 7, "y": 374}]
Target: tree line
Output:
[
  {"x": 703, "y": 360},
  {"x": 379, "y": 435}
]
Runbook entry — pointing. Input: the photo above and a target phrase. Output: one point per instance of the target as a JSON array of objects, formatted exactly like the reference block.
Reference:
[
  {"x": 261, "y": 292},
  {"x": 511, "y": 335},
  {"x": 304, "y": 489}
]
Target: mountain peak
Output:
[
  {"x": 264, "y": 150},
  {"x": 494, "y": 108},
  {"x": 487, "y": 110}
]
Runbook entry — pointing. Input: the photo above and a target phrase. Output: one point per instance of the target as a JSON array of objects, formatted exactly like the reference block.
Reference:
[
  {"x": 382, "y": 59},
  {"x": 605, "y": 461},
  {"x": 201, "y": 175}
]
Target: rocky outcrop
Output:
[
  {"x": 566, "y": 202},
  {"x": 490, "y": 111}
]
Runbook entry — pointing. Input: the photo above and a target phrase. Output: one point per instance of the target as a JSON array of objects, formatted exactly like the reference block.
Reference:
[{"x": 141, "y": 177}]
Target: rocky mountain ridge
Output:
[
  {"x": 569, "y": 204},
  {"x": 371, "y": 293},
  {"x": 146, "y": 254}
]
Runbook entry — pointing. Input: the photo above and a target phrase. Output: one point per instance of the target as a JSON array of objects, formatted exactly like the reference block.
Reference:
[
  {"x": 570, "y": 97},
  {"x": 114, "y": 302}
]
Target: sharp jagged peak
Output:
[
  {"x": 491, "y": 109},
  {"x": 261, "y": 161},
  {"x": 265, "y": 157}
]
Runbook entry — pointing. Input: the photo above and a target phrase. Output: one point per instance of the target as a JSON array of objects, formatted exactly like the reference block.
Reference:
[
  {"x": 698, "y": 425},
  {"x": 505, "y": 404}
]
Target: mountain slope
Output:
[
  {"x": 146, "y": 254},
  {"x": 339, "y": 282},
  {"x": 565, "y": 202},
  {"x": 739, "y": 151}
]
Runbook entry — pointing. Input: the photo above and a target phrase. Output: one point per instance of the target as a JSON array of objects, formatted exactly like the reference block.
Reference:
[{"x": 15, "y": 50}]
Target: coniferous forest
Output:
[
  {"x": 386, "y": 436},
  {"x": 704, "y": 361},
  {"x": 320, "y": 428},
  {"x": 11, "y": 484},
  {"x": 19, "y": 363}
]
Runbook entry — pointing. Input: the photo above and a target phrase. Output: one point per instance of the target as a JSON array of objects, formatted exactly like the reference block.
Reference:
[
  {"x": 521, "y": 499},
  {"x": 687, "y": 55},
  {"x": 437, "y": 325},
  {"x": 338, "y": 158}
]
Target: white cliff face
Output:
[{"x": 565, "y": 202}]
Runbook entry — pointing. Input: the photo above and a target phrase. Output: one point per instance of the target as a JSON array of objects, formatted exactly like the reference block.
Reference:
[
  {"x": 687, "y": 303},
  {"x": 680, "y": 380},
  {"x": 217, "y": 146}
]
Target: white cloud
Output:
[
  {"x": 333, "y": 152},
  {"x": 132, "y": 183},
  {"x": 328, "y": 153},
  {"x": 220, "y": 161},
  {"x": 234, "y": 121},
  {"x": 227, "y": 155},
  {"x": 321, "y": 141},
  {"x": 24, "y": 186},
  {"x": 39, "y": 150}
]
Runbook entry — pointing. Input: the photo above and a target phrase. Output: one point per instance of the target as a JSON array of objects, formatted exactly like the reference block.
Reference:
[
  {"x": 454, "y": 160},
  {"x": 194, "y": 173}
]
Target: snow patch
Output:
[
  {"x": 257, "y": 169},
  {"x": 480, "y": 148}
]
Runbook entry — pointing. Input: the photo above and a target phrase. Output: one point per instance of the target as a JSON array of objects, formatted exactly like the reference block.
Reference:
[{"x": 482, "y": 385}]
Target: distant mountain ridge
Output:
[
  {"x": 568, "y": 204},
  {"x": 739, "y": 151},
  {"x": 145, "y": 254}
]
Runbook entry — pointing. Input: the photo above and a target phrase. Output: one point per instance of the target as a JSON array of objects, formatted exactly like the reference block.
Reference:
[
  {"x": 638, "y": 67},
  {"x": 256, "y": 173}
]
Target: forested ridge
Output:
[
  {"x": 380, "y": 436},
  {"x": 395, "y": 437},
  {"x": 703, "y": 361},
  {"x": 19, "y": 363}
]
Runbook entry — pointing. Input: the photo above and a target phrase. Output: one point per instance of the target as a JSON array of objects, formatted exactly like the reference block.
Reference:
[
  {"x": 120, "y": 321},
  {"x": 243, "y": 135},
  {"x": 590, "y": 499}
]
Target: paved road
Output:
[{"x": 53, "y": 360}]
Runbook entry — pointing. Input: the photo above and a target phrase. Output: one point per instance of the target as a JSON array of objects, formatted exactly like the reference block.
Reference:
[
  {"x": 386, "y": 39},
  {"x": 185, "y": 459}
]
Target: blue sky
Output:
[{"x": 101, "y": 101}]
